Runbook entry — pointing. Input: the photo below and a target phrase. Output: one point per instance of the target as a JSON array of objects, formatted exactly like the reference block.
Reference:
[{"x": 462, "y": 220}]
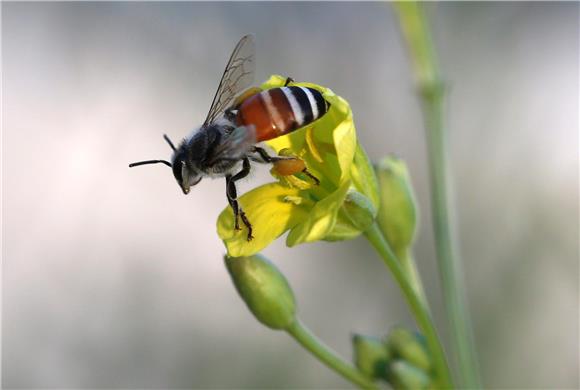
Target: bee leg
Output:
[
  {"x": 288, "y": 81},
  {"x": 246, "y": 222},
  {"x": 271, "y": 159},
  {"x": 232, "y": 194},
  {"x": 266, "y": 157},
  {"x": 290, "y": 168},
  {"x": 311, "y": 176}
]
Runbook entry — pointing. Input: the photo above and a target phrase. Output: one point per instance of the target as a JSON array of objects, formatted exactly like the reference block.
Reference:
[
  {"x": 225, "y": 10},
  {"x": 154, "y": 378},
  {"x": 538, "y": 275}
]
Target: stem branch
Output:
[
  {"x": 418, "y": 306},
  {"x": 328, "y": 357}
]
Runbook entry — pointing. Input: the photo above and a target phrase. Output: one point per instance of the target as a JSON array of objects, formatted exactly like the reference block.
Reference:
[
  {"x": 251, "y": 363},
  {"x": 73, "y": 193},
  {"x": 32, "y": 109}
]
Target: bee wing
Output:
[
  {"x": 235, "y": 145},
  {"x": 239, "y": 74}
]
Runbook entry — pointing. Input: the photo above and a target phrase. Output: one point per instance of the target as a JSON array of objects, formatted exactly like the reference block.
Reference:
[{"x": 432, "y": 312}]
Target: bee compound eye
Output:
[
  {"x": 178, "y": 173},
  {"x": 184, "y": 172},
  {"x": 196, "y": 181}
]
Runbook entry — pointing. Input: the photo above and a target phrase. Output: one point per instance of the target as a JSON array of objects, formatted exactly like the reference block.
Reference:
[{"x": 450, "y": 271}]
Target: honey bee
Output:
[{"x": 236, "y": 122}]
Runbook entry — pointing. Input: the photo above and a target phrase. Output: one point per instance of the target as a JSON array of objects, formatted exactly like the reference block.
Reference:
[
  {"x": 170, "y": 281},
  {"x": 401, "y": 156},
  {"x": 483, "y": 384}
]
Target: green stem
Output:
[
  {"x": 418, "y": 306},
  {"x": 449, "y": 265},
  {"x": 408, "y": 264},
  {"x": 328, "y": 357},
  {"x": 416, "y": 31}
]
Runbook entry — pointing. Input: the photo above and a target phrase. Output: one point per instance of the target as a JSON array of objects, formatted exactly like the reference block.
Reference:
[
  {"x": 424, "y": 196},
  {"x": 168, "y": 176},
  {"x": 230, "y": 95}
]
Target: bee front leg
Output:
[{"x": 232, "y": 195}]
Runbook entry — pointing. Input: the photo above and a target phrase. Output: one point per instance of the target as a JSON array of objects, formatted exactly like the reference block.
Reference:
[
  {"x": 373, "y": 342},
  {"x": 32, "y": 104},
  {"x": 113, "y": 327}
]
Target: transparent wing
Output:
[
  {"x": 238, "y": 75},
  {"x": 235, "y": 145}
]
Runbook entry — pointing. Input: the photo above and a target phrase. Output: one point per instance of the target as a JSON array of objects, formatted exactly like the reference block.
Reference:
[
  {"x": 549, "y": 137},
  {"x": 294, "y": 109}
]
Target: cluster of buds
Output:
[{"x": 401, "y": 359}]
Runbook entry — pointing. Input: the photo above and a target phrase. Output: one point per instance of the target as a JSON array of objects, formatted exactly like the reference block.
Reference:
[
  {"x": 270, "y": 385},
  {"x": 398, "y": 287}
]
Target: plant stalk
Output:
[
  {"x": 431, "y": 88},
  {"x": 407, "y": 262},
  {"x": 418, "y": 306},
  {"x": 305, "y": 338}
]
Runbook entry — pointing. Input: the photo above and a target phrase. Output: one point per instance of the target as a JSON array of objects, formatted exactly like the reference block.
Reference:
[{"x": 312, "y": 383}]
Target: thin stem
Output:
[
  {"x": 449, "y": 264},
  {"x": 416, "y": 32},
  {"x": 408, "y": 264},
  {"x": 329, "y": 357},
  {"x": 418, "y": 306}
]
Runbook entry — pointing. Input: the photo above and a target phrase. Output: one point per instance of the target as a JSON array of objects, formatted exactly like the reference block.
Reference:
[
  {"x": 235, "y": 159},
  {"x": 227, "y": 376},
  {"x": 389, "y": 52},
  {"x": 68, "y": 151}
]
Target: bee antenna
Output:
[
  {"x": 166, "y": 138},
  {"x": 136, "y": 164}
]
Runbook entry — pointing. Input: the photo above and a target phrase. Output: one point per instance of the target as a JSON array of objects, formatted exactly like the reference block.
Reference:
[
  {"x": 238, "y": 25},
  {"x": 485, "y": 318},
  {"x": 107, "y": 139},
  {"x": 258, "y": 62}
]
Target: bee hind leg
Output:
[
  {"x": 288, "y": 81},
  {"x": 232, "y": 195},
  {"x": 311, "y": 176},
  {"x": 286, "y": 166},
  {"x": 266, "y": 157}
]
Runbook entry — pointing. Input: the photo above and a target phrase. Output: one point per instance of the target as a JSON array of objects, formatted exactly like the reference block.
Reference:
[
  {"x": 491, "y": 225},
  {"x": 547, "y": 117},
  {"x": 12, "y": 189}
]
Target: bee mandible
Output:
[{"x": 236, "y": 122}]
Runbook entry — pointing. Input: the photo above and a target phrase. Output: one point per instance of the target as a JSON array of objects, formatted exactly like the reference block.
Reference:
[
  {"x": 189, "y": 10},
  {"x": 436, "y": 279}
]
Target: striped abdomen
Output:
[{"x": 278, "y": 111}]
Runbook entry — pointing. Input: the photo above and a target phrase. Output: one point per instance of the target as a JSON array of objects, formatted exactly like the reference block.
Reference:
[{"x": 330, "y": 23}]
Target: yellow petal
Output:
[
  {"x": 271, "y": 209},
  {"x": 363, "y": 176},
  {"x": 320, "y": 219}
]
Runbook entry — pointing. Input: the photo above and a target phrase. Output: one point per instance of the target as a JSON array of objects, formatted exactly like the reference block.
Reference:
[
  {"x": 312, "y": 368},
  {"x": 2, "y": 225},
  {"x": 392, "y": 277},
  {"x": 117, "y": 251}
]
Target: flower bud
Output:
[
  {"x": 370, "y": 356},
  {"x": 397, "y": 216},
  {"x": 403, "y": 375},
  {"x": 356, "y": 214},
  {"x": 359, "y": 210},
  {"x": 409, "y": 347},
  {"x": 264, "y": 289}
]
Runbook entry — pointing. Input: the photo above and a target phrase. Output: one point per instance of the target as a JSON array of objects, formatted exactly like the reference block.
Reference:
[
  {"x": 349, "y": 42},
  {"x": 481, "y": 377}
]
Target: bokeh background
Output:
[{"x": 112, "y": 278}]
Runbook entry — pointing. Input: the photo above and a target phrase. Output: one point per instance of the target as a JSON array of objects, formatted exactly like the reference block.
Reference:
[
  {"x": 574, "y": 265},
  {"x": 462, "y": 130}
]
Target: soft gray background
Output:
[{"x": 113, "y": 279}]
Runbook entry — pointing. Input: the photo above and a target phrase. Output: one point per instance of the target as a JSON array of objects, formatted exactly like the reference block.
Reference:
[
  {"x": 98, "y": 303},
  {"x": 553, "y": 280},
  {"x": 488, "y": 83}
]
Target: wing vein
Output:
[{"x": 239, "y": 74}]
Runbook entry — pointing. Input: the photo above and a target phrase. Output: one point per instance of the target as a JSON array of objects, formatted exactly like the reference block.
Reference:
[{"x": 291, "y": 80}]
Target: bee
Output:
[{"x": 237, "y": 121}]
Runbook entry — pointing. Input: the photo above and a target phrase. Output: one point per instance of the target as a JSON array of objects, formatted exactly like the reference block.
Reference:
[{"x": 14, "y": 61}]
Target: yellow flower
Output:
[{"x": 341, "y": 207}]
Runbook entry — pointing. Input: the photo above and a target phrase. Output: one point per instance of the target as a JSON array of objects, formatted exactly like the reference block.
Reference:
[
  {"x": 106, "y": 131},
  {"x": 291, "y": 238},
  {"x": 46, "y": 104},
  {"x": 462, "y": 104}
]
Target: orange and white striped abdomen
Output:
[{"x": 278, "y": 111}]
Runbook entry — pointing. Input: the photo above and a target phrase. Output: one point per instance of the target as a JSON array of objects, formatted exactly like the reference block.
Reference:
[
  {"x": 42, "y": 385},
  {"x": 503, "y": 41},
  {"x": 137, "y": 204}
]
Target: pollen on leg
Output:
[{"x": 290, "y": 166}]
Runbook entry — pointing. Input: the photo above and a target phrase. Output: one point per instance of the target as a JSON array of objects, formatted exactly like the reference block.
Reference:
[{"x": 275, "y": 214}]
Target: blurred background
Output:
[{"x": 112, "y": 278}]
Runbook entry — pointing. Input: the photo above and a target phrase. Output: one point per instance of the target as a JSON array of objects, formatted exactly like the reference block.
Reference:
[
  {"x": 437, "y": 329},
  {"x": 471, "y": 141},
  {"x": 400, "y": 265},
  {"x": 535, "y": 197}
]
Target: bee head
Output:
[{"x": 185, "y": 175}]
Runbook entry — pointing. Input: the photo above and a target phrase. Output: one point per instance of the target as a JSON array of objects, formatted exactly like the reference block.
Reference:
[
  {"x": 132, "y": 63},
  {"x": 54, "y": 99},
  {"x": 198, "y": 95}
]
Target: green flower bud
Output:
[
  {"x": 407, "y": 346},
  {"x": 402, "y": 375},
  {"x": 370, "y": 356},
  {"x": 359, "y": 210},
  {"x": 356, "y": 214},
  {"x": 264, "y": 289},
  {"x": 397, "y": 216}
]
